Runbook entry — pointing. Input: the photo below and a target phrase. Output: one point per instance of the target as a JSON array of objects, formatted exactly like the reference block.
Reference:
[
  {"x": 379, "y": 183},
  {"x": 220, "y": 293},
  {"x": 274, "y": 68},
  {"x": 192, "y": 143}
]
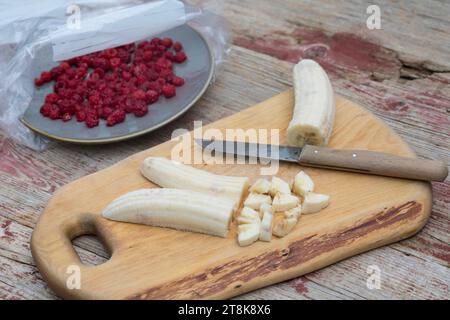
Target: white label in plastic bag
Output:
[{"x": 115, "y": 28}]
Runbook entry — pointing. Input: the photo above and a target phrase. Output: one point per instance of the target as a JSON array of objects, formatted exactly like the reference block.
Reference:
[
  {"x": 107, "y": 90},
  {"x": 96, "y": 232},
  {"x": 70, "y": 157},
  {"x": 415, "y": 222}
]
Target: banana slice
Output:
[
  {"x": 173, "y": 208},
  {"x": 283, "y": 226},
  {"x": 266, "y": 224},
  {"x": 260, "y": 186},
  {"x": 302, "y": 184},
  {"x": 248, "y": 216},
  {"x": 283, "y": 202},
  {"x": 293, "y": 213},
  {"x": 172, "y": 174},
  {"x": 255, "y": 200},
  {"x": 314, "y": 109},
  {"x": 248, "y": 234},
  {"x": 249, "y": 226},
  {"x": 279, "y": 186},
  {"x": 314, "y": 202},
  {"x": 265, "y": 207}
]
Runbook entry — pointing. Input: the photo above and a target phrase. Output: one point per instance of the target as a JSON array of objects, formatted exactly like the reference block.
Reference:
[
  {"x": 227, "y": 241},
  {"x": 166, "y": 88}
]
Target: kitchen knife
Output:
[{"x": 361, "y": 161}]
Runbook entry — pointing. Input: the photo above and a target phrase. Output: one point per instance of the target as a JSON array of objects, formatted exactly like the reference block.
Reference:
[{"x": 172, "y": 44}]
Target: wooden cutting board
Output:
[{"x": 366, "y": 212}]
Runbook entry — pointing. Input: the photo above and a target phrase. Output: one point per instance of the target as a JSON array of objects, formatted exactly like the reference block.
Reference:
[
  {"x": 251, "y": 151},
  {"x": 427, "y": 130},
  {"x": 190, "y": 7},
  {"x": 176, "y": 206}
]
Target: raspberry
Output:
[
  {"x": 46, "y": 76},
  {"x": 38, "y": 82},
  {"x": 107, "y": 111},
  {"x": 111, "y": 53},
  {"x": 56, "y": 72},
  {"x": 64, "y": 65},
  {"x": 126, "y": 76},
  {"x": 115, "y": 62},
  {"x": 155, "y": 86},
  {"x": 117, "y": 117},
  {"x": 54, "y": 113},
  {"x": 100, "y": 72},
  {"x": 166, "y": 73},
  {"x": 177, "y": 81},
  {"x": 164, "y": 63},
  {"x": 147, "y": 56},
  {"x": 169, "y": 91},
  {"x": 80, "y": 73},
  {"x": 139, "y": 95},
  {"x": 155, "y": 41},
  {"x": 180, "y": 57},
  {"x": 91, "y": 121},
  {"x": 177, "y": 46},
  {"x": 161, "y": 81},
  {"x": 51, "y": 98},
  {"x": 169, "y": 55},
  {"x": 81, "y": 116},
  {"x": 167, "y": 42},
  {"x": 94, "y": 99},
  {"x": 110, "y": 121},
  {"x": 141, "y": 111},
  {"x": 72, "y": 84},
  {"x": 46, "y": 109},
  {"x": 151, "y": 96}
]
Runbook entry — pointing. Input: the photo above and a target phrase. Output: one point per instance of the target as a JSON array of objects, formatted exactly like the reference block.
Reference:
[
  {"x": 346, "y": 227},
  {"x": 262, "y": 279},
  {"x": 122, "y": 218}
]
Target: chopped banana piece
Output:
[
  {"x": 249, "y": 226},
  {"x": 260, "y": 186},
  {"x": 248, "y": 215},
  {"x": 265, "y": 207},
  {"x": 266, "y": 226},
  {"x": 314, "y": 202},
  {"x": 302, "y": 184},
  {"x": 293, "y": 213},
  {"x": 279, "y": 186},
  {"x": 283, "y": 202},
  {"x": 255, "y": 200},
  {"x": 284, "y": 226},
  {"x": 248, "y": 234}
]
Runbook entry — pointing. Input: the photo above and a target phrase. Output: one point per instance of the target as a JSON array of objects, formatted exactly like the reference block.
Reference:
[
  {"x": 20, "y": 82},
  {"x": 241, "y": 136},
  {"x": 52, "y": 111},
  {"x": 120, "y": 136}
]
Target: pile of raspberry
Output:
[{"x": 112, "y": 83}]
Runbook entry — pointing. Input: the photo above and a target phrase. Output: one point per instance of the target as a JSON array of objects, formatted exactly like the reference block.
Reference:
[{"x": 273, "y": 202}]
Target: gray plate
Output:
[{"x": 197, "y": 71}]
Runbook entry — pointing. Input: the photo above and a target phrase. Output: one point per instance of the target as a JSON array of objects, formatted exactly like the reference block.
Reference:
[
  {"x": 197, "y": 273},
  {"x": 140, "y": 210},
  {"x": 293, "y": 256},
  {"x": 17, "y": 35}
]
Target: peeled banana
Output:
[
  {"x": 172, "y": 174},
  {"x": 314, "y": 109},
  {"x": 173, "y": 208},
  {"x": 314, "y": 202}
]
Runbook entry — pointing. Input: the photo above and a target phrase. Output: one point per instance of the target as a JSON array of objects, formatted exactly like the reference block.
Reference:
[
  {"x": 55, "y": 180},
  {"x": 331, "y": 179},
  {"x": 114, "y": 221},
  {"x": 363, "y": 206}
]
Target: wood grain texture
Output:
[
  {"x": 166, "y": 264},
  {"x": 391, "y": 74}
]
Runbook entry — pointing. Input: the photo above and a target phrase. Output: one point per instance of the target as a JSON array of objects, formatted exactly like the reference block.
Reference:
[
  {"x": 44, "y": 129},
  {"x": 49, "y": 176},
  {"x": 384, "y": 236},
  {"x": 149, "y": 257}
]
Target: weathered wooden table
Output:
[{"x": 401, "y": 73}]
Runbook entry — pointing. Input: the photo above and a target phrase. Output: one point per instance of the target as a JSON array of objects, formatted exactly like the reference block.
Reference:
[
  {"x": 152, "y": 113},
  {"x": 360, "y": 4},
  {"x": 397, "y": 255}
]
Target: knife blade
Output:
[
  {"x": 360, "y": 161},
  {"x": 252, "y": 150}
]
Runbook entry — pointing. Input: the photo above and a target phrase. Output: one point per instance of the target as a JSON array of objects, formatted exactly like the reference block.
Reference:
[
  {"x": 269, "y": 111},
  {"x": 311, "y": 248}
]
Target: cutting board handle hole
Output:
[{"x": 91, "y": 250}]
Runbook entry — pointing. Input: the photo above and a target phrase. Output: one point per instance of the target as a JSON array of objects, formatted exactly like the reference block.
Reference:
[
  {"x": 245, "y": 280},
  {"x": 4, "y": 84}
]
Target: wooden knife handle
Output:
[{"x": 371, "y": 162}]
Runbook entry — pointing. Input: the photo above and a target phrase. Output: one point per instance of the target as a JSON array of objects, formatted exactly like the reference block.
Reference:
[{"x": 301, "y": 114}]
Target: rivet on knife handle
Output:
[{"x": 371, "y": 162}]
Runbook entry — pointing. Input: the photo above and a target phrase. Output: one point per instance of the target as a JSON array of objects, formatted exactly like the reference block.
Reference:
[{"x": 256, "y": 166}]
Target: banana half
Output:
[{"x": 314, "y": 109}]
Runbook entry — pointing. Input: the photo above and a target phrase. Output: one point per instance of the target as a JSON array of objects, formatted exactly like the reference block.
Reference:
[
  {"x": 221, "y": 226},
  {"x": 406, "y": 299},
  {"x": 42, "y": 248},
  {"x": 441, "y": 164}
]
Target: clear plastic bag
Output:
[{"x": 92, "y": 25}]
